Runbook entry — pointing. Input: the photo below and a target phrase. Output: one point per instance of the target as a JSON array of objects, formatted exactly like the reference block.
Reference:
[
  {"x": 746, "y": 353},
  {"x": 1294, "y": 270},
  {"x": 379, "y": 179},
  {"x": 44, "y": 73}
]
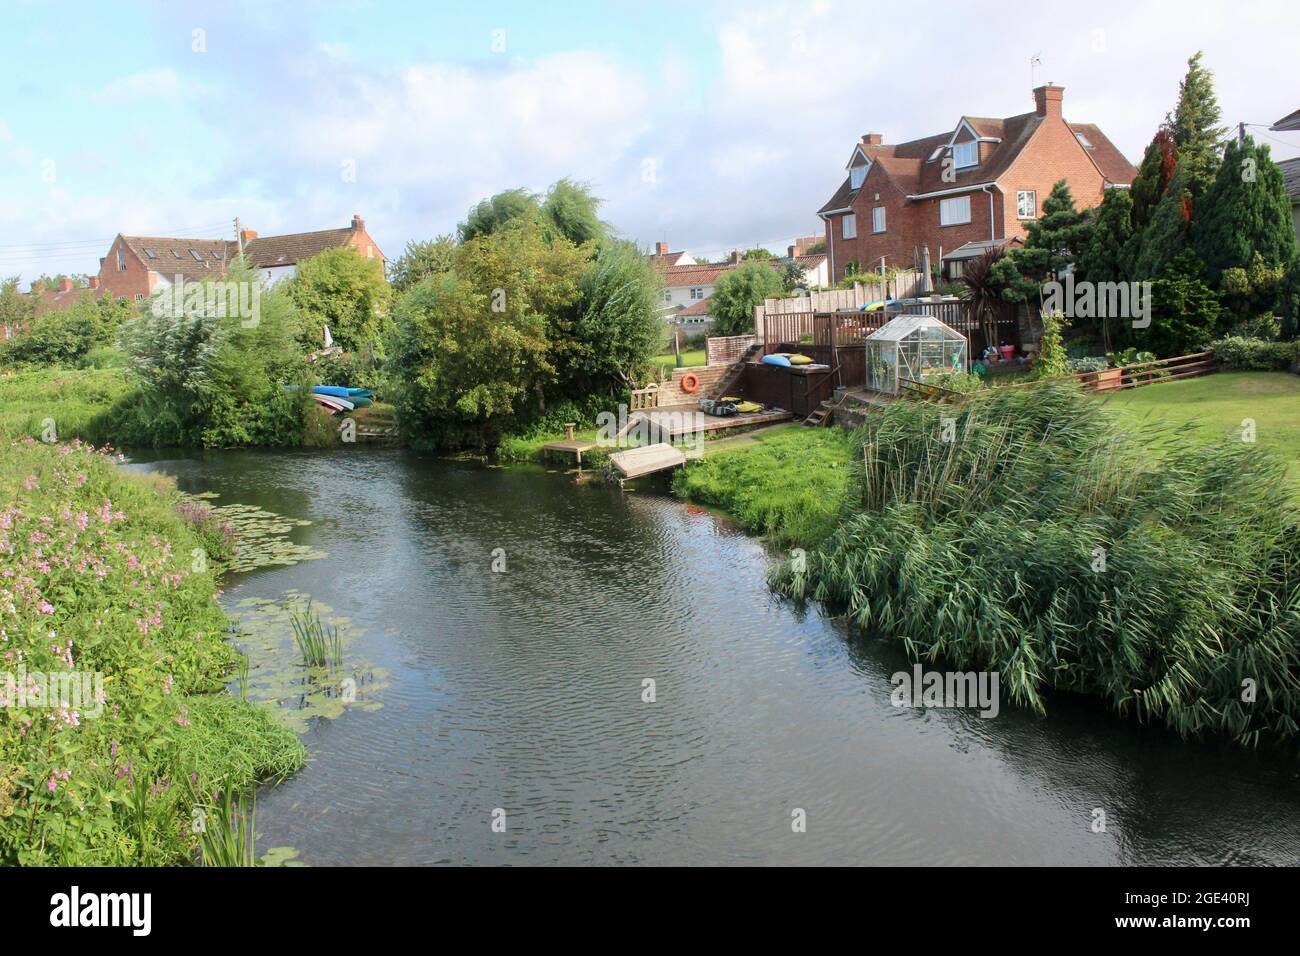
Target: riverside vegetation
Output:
[
  {"x": 102, "y": 573},
  {"x": 1033, "y": 532}
]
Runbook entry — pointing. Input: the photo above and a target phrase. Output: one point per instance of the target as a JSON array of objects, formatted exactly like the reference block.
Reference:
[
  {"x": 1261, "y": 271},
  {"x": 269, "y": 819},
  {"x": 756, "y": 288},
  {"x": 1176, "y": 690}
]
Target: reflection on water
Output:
[{"x": 522, "y": 690}]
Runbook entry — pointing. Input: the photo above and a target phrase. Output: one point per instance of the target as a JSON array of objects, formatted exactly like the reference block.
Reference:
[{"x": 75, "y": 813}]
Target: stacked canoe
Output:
[{"x": 339, "y": 399}]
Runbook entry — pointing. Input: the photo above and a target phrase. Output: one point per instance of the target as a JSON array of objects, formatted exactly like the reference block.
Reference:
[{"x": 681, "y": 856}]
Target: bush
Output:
[
  {"x": 1048, "y": 544},
  {"x": 1089, "y": 363},
  {"x": 1255, "y": 355}
]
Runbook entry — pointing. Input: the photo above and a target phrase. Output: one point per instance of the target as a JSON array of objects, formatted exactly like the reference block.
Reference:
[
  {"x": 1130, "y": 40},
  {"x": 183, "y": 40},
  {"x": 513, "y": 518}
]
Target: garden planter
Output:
[{"x": 1107, "y": 380}]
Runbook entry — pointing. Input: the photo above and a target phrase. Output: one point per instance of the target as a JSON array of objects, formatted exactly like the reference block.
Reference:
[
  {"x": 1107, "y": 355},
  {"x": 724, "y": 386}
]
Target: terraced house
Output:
[
  {"x": 138, "y": 266},
  {"x": 958, "y": 192}
]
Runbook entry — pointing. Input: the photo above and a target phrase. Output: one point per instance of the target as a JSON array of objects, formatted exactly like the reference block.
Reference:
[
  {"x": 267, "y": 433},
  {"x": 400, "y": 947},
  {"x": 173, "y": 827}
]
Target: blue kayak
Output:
[
  {"x": 776, "y": 360},
  {"x": 338, "y": 391}
]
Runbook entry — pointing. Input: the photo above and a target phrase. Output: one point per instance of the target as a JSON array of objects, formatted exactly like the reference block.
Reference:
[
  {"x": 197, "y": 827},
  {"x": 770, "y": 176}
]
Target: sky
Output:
[{"x": 709, "y": 125}]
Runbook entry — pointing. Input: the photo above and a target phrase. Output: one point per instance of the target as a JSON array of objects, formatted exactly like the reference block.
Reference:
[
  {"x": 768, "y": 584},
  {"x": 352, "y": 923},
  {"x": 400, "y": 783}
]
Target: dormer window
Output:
[
  {"x": 966, "y": 154},
  {"x": 857, "y": 175},
  {"x": 1083, "y": 141}
]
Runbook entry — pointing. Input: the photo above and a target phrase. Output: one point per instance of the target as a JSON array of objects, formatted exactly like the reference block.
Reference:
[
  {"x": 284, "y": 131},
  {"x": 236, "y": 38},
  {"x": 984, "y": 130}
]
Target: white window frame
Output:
[
  {"x": 970, "y": 150},
  {"x": 878, "y": 219},
  {"x": 697, "y": 292},
  {"x": 857, "y": 175},
  {"x": 668, "y": 295},
  {"x": 849, "y": 226},
  {"x": 947, "y": 207},
  {"x": 1026, "y": 199}
]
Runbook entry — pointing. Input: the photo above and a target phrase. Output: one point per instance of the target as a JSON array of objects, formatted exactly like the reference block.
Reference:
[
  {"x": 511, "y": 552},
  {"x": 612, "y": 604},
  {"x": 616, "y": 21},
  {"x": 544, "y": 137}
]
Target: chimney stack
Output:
[
  {"x": 871, "y": 139},
  {"x": 735, "y": 257},
  {"x": 94, "y": 282},
  {"x": 1047, "y": 100},
  {"x": 247, "y": 235},
  {"x": 65, "y": 284},
  {"x": 357, "y": 222},
  {"x": 661, "y": 248}
]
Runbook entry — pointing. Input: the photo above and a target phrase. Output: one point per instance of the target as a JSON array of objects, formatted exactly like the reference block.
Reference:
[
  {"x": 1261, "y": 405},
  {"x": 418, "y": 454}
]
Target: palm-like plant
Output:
[{"x": 982, "y": 293}]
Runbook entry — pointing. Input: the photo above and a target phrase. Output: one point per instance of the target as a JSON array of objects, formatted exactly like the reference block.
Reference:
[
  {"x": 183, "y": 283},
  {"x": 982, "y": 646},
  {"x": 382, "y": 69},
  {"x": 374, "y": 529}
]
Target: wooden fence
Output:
[
  {"x": 900, "y": 285},
  {"x": 1139, "y": 374}
]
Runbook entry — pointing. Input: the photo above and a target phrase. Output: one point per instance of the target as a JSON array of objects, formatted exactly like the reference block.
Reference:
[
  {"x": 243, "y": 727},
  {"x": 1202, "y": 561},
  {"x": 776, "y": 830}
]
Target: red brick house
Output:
[
  {"x": 138, "y": 266},
  {"x": 981, "y": 182}
]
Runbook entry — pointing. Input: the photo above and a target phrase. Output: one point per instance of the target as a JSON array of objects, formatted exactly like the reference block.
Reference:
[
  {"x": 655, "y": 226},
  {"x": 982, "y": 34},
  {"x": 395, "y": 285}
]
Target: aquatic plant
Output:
[
  {"x": 1036, "y": 533},
  {"x": 317, "y": 641},
  {"x": 226, "y": 836}
]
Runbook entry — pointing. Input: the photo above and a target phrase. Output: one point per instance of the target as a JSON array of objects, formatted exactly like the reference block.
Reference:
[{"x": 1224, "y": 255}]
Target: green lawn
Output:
[
  {"x": 78, "y": 402},
  {"x": 689, "y": 357},
  {"x": 1217, "y": 405}
]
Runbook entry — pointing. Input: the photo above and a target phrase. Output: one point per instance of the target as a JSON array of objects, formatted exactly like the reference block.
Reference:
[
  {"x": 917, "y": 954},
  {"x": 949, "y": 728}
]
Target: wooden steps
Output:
[{"x": 821, "y": 415}]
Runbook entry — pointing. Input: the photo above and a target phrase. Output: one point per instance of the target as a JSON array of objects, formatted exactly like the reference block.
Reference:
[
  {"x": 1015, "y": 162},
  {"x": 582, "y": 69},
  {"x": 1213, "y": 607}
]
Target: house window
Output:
[
  {"x": 1027, "y": 204},
  {"x": 878, "y": 219},
  {"x": 954, "y": 269},
  {"x": 954, "y": 211},
  {"x": 121, "y": 258},
  {"x": 857, "y": 175},
  {"x": 849, "y": 226},
  {"x": 966, "y": 154},
  {"x": 668, "y": 295},
  {"x": 697, "y": 292},
  {"x": 1083, "y": 141},
  {"x": 139, "y": 297}
]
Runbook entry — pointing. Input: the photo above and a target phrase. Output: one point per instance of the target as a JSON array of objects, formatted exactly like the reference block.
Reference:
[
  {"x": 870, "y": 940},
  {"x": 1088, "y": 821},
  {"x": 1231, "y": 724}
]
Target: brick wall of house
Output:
[
  {"x": 1052, "y": 154},
  {"x": 362, "y": 242},
  {"x": 908, "y": 226},
  {"x": 134, "y": 281}
]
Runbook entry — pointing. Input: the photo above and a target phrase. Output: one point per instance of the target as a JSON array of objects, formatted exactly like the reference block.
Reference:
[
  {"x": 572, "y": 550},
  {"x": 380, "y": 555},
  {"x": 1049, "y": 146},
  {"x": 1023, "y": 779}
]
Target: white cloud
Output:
[{"x": 140, "y": 88}]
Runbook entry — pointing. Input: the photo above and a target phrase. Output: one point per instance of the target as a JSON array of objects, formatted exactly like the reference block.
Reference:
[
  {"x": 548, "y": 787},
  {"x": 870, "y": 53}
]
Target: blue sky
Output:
[{"x": 711, "y": 125}]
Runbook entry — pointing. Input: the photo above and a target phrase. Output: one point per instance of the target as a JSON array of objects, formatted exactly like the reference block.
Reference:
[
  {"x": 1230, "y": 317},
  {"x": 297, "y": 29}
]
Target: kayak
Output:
[
  {"x": 360, "y": 401},
  {"x": 334, "y": 391},
  {"x": 334, "y": 402},
  {"x": 780, "y": 360}
]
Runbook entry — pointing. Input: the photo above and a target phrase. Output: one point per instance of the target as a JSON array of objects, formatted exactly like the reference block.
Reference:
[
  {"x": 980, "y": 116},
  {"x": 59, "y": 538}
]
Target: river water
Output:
[{"x": 522, "y": 691}]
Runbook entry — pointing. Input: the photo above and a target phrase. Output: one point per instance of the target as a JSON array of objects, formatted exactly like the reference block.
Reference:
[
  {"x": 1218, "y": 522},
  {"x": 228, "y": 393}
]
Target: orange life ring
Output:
[{"x": 690, "y": 382}]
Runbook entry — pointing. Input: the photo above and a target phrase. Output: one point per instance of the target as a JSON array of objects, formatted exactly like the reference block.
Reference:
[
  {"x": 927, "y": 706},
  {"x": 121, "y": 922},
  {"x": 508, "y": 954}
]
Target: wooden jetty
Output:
[
  {"x": 646, "y": 460},
  {"x": 569, "y": 446}
]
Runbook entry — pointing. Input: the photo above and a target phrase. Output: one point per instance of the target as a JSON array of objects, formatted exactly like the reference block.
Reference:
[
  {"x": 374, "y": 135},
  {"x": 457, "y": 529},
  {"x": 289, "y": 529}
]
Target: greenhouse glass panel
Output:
[{"x": 916, "y": 348}]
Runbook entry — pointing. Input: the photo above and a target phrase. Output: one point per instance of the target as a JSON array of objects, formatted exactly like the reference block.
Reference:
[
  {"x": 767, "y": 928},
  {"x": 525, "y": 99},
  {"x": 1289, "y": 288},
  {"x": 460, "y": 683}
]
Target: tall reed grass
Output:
[{"x": 1034, "y": 533}]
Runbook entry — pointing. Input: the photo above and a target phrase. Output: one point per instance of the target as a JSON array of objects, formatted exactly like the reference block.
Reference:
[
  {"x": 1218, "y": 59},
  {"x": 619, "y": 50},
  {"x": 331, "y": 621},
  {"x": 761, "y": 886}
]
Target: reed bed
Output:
[{"x": 1035, "y": 533}]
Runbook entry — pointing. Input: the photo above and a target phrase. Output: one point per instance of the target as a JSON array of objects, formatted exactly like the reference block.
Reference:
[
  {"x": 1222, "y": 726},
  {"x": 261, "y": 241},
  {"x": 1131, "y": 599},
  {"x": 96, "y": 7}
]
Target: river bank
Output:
[{"x": 118, "y": 725}]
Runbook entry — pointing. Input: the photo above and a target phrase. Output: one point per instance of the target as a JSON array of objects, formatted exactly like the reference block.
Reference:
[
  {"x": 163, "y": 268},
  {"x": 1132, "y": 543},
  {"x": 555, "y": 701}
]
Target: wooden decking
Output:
[{"x": 673, "y": 421}]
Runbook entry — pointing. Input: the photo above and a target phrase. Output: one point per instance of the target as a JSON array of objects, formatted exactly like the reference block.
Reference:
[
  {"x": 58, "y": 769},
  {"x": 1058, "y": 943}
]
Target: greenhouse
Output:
[{"x": 913, "y": 348}]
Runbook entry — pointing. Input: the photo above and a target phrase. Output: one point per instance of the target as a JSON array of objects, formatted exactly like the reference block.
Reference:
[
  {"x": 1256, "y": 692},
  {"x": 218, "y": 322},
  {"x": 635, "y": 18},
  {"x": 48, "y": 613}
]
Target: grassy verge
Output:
[
  {"x": 789, "y": 484},
  {"x": 1214, "y": 408},
  {"x": 77, "y": 402},
  {"x": 107, "y": 581}
]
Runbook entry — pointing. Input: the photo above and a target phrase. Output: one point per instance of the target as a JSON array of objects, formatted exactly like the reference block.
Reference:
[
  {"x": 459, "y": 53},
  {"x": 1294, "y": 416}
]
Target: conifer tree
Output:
[
  {"x": 1245, "y": 211},
  {"x": 1194, "y": 125}
]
